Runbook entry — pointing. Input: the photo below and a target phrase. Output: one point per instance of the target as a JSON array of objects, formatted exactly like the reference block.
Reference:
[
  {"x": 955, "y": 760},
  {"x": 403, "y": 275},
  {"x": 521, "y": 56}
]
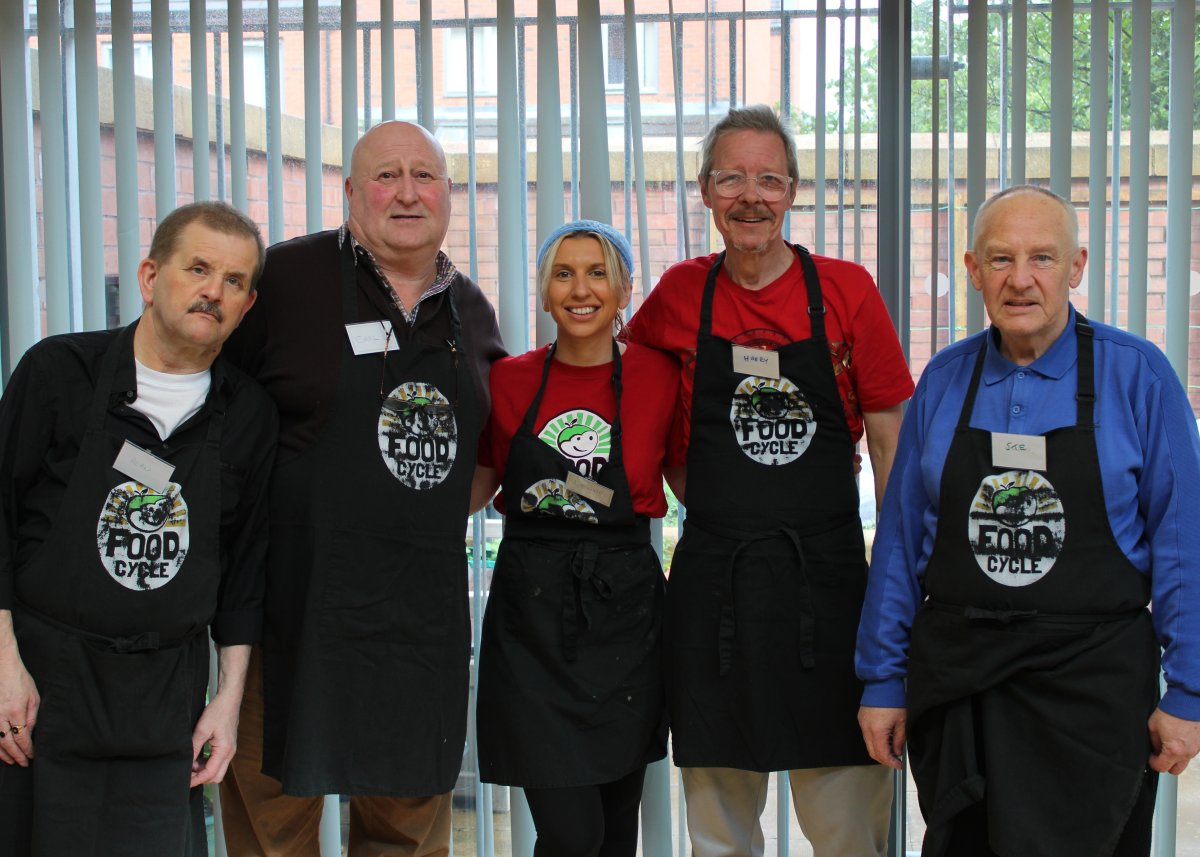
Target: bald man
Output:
[
  {"x": 376, "y": 351},
  {"x": 1041, "y": 499}
]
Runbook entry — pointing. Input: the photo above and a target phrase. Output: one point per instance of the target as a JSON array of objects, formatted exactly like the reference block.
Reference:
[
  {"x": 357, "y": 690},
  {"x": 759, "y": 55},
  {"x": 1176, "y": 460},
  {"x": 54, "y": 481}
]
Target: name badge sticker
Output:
[
  {"x": 584, "y": 487},
  {"x": 1019, "y": 451},
  {"x": 369, "y": 337},
  {"x": 755, "y": 361},
  {"x": 145, "y": 467}
]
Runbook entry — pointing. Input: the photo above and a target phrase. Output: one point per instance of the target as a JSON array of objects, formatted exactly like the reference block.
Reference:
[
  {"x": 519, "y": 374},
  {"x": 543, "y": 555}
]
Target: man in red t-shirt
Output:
[{"x": 787, "y": 358}]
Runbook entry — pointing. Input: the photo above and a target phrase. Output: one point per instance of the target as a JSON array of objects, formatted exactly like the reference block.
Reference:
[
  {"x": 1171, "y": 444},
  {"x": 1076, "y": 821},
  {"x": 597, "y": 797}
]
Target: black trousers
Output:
[
  {"x": 969, "y": 836},
  {"x": 588, "y": 821}
]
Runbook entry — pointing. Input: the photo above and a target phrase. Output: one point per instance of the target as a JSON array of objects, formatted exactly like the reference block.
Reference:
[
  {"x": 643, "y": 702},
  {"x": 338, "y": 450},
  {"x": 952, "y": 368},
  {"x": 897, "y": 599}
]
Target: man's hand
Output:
[
  {"x": 19, "y": 699},
  {"x": 216, "y": 727},
  {"x": 1175, "y": 740},
  {"x": 883, "y": 732}
]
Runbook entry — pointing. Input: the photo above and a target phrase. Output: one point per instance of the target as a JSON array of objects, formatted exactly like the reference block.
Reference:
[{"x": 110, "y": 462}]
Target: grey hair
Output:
[
  {"x": 1068, "y": 212},
  {"x": 756, "y": 117}
]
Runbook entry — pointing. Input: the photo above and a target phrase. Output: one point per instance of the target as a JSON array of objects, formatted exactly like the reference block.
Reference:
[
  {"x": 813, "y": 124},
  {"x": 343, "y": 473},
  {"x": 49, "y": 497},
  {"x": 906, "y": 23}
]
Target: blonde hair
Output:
[{"x": 614, "y": 265}]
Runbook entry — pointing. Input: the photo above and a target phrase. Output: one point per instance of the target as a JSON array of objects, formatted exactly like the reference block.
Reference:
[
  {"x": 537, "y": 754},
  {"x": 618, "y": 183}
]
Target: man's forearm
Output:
[{"x": 232, "y": 664}]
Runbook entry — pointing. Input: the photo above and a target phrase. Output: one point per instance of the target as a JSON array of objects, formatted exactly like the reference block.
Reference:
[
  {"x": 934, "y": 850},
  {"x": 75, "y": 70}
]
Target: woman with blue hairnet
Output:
[{"x": 570, "y": 702}]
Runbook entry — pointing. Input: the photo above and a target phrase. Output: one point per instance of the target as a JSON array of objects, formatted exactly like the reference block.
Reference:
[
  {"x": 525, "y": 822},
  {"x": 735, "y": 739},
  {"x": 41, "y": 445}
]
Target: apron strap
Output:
[
  {"x": 98, "y": 408},
  {"x": 816, "y": 306},
  {"x": 531, "y": 412},
  {"x": 727, "y": 630},
  {"x": 1085, "y": 386},
  {"x": 964, "y": 417},
  {"x": 576, "y": 596}
]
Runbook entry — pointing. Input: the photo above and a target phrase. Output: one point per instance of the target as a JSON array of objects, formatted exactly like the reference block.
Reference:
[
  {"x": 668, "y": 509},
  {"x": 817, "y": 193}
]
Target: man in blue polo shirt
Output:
[{"x": 1043, "y": 494}]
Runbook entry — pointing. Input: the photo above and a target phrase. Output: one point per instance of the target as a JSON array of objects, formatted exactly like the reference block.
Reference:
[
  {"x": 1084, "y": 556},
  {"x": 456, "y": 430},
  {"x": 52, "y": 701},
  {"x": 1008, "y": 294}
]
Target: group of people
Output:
[{"x": 328, "y": 412}]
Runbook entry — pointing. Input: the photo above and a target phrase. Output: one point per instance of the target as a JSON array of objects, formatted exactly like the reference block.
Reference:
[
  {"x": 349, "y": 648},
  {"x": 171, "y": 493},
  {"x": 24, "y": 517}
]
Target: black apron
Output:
[
  {"x": 1030, "y": 682},
  {"x": 767, "y": 583},
  {"x": 109, "y": 619},
  {"x": 570, "y": 670},
  {"x": 367, "y": 642}
]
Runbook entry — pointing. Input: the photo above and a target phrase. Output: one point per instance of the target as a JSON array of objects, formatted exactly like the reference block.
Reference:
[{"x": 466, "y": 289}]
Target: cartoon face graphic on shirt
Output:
[
  {"x": 582, "y": 437},
  {"x": 148, "y": 512}
]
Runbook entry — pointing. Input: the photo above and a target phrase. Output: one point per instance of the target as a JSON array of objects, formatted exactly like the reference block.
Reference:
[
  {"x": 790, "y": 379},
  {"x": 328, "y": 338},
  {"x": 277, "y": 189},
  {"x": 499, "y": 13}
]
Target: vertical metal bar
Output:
[
  {"x": 1114, "y": 245},
  {"x": 511, "y": 230},
  {"x": 22, "y": 326},
  {"x": 314, "y": 184},
  {"x": 478, "y": 552},
  {"x": 595, "y": 191},
  {"x": 472, "y": 229},
  {"x": 349, "y": 41},
  {"x": 573, "y": 83},
  {"x": 1098, "y": 160},
  {"x": 783, "y": 812},
  {"x": 935, "y": 153},
  {"x": 1139, "y": 167},
  {"x": 819, "y": 135},
  {"x": 633, "y": 97},
  {"x": 164, "y": 106},
  {"x": 1062, "y": 20},
  {"x": 425, "y": 68},
  {"x": 219, "y": 115},
  {"x": 841, "y": 133},
  {"x": 238, "y": 170},
  {"x": 54, "y": 170},
  {"x": 951, "y": 187},
  {"x": 387, "y": 59},
  {"x": 125, "y": 145},
  {"x": 1003, "y": 97},
  {"x": 274, "y": 113},
  {"x": 1180, "y": 129},
  {"x": 201, "y": 160},
  {"x": 91, "y": 218},
  {"x": 656, "y": 805},
  {"x": 858, "y": 133},
  {"x": 785, "y": 94},
  {"x": 549, "y": 142},
  {"x": 733, "y": 95},
  {"x": 1020, "y": 60},
  {"x": 365, "y": 71},
  {"x": 677, "y": 79},
  {"x": 976, "y": 133}
]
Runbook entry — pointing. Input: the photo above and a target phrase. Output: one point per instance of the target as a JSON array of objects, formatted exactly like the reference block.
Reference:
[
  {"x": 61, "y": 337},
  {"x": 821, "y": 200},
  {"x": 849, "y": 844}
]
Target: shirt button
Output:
[
  {"x": 1021, "y": 375},
  {"x": 1016, "y": 409}
]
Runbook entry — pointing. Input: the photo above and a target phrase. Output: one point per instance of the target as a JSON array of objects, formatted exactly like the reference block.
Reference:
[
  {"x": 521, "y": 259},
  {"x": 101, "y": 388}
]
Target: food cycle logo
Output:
[
  {"x": 771, "y": 420},
  {"x": 583, "y": 438},
  {"x": 551, "y": 497},
  {"x": 142, "y": 536},
  {"x": 1016, "y": 527},
  {"x": 418, "y": 435}
]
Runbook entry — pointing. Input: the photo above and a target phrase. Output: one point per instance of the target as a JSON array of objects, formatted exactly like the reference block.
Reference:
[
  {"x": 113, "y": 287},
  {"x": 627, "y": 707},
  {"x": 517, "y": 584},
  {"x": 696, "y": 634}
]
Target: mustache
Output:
[
  {"x": 209, "y": 307},
  {"x": 753, "y": 211}
]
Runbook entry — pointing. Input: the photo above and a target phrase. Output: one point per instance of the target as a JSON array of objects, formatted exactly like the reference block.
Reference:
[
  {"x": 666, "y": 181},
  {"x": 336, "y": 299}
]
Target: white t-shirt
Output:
[{"x": 168, "y": 400}]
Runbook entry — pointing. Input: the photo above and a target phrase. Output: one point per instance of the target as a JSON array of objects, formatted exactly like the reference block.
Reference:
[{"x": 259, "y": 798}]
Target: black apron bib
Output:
[
  {"x": 368, "y": 632},
  {"x": 767, "y": 583},
  {"x": 1033, "y": 665},
  {"x": 570, "y": 670},
  {"x": 110, "y": 616}
]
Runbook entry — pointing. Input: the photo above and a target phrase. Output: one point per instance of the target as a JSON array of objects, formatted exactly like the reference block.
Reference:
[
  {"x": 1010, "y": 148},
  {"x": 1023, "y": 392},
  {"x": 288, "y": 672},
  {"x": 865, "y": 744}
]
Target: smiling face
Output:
[
  {"x": 580, "y": 295},
  {"x": 1025, "y": 263},
  {"x": 747, "y": 222},
  {"x": 201, "y": 291},
  {"x": 399, "y": 192}
]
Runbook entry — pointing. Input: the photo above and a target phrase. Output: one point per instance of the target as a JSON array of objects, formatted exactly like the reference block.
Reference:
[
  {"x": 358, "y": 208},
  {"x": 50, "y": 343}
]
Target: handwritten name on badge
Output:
[
  {"x": 1018, "y": 451},
  {"x": 145, "y": 467},
  {"x": 584, "y": 487},
  {"x": 369, "y": 337},
  {"x": 755, "y": 361}
]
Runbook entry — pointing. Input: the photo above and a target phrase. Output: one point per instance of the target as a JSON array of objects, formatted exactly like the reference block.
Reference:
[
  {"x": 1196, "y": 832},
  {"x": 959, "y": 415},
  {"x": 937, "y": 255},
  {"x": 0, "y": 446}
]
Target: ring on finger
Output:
[{"x": 16, "y": 730}]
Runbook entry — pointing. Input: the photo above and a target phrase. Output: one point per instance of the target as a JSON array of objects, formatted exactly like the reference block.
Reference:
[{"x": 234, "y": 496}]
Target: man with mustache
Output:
[
  {"x": 133, "y": 475},
  {"x": 786, "y": 357},
  {"x": 377, "y": 351}
]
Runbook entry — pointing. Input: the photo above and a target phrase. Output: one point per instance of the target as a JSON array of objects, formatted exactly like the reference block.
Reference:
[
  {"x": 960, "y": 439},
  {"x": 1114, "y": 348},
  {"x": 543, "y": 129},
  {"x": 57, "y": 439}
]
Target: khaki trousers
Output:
[
  {"x": 843, "y": 812},
  {"x": 261, "y": 821}
]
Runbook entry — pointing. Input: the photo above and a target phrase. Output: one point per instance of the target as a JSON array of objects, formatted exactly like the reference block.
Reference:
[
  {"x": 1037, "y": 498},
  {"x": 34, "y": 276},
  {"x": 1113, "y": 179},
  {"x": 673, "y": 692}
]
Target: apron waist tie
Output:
[
  {"x": 576, "y": 596},
  {"x": 1007, "y": 617},
  {"x": 147, "y": 641},
  {"x": 727, "y": 632}
]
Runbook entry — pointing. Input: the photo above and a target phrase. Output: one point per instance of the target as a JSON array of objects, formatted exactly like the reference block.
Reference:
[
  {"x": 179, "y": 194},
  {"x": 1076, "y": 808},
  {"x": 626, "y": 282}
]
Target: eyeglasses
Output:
[{"x": 772, "y": 187}]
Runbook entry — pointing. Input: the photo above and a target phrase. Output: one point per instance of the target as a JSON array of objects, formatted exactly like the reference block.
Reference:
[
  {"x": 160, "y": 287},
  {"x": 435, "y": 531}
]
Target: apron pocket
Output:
[
  {"x": 128, "y": 705},
  {"x": 392, "y": 589}
]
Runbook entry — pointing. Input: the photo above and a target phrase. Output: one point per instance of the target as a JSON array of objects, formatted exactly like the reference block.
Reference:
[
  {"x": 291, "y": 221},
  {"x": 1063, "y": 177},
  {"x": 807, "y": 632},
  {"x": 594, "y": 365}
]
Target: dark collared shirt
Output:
[
  {"x": 442, "y": 279},
  {"x": 43, "y": 419}
]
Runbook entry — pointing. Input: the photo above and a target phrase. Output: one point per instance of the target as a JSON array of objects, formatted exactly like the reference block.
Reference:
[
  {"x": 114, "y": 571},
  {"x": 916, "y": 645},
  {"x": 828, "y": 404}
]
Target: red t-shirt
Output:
[
  {"x": 868, "y": 362},
  {"x": 576, "y": 414}
]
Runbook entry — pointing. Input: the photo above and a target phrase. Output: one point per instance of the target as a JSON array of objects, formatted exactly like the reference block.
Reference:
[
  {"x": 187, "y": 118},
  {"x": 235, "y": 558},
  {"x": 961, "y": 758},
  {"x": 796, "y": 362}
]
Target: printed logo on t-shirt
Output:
[
  {"x": 772, "y": 421},
  {"x": 142, "y": 536},
  {"x": 418, "y": 435},
  {"x": 551, "y": 497},
  {"x": 583, "y": 438},
  {"x": 1016, "y": 527}
]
